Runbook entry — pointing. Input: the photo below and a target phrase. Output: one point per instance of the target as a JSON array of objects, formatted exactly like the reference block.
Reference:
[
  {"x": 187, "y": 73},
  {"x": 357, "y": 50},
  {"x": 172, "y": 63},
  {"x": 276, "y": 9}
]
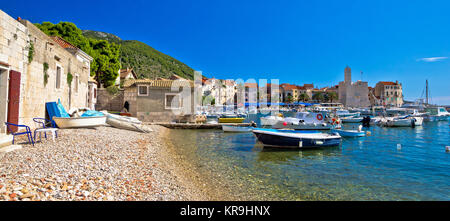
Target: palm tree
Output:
[{"x": 289, "y": 98}]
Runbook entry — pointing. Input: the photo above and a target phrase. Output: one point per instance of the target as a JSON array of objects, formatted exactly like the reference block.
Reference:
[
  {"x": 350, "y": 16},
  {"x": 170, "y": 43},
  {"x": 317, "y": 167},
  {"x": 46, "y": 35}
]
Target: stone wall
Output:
[
  {"x": 15, "y": 41},
  {"x": 106, "y": 101}
]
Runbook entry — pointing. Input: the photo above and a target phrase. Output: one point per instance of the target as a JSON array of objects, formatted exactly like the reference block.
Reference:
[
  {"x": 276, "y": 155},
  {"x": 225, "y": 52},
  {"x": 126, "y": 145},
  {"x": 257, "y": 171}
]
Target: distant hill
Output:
[{"x": 145, "y": 60}]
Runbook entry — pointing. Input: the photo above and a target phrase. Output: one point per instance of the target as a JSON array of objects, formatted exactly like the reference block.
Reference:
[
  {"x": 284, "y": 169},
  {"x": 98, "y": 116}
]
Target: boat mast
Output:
[{"x": 426, "y": 91}]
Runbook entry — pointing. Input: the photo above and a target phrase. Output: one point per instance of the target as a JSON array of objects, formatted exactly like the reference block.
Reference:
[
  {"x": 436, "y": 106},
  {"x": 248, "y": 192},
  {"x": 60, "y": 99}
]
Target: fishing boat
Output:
[
  {"x": 406, "y": 121},
  {"x": 80, "y": 122},
  {"x": 352, "y": 119},
  {"x": 350, "y": 133},
  {"x": 270, "y": 120},
  {"x": 346, "y": 113},
  {"x": 289, "y": 139},
  {"x": 307, "y": 121},
  {"x": 127, "y": 123},
  {"x": 212, "y": 119},
  {"x": 227, "y": 128}
]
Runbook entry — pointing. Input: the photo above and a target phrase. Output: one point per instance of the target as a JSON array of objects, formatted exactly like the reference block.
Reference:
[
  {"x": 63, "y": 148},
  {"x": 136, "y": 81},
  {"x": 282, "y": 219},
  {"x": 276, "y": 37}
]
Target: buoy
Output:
[
  {"x": 368, "y": 133},
  {"x": 284, "y": 124},
  {"x": 399, "y": 146},
  {"x": 447, "y": 149}
]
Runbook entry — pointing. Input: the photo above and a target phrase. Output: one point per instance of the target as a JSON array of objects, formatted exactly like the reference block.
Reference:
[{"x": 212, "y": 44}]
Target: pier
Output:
[{"x": 199, "y": 126}]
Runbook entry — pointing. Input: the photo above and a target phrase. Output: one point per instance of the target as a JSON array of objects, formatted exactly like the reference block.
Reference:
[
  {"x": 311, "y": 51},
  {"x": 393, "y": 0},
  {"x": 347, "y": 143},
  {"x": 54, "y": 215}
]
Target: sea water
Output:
[{"x": 366, "y": 168}]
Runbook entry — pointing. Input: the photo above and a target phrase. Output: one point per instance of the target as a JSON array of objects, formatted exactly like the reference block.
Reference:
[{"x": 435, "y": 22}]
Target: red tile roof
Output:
[
  {"x": 63, "y": 43},
  {"x": 387, "y": 83}
]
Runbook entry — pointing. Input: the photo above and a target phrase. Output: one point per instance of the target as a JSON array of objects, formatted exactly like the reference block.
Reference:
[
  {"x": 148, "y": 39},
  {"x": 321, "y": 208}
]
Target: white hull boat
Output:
[
  {"x": 270, "y": 120},
  {"x": 352, "y": 120},
  {"x": 235, "y": 129},
  {"x": 79, "y": 122},
  {"x": 127, "y": 123}
]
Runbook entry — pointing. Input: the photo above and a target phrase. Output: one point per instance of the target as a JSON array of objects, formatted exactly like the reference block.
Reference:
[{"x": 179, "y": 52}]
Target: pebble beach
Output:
[{"x": 99, "y": 164}]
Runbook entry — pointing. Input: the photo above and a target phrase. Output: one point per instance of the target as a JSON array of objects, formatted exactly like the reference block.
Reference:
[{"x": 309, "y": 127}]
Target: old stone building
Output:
[
  {"x": 353, "y": 94},
  {"x": 156, "y": 101},
  {"x": 34, "y": 69},
  {"x": 389, "y": 93}
]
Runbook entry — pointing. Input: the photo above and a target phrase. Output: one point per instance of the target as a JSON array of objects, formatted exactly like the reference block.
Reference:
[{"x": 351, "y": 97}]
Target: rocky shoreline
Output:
[{"x": 104, "y": 163}]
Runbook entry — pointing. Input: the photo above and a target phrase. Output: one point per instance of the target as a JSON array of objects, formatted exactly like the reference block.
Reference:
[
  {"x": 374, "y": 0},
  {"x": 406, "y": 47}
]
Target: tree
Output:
[
  {"x": 106, "y": 56},
  {"x": 318, "y": 96},
  {"x": 332, "y": 96},
  {"x": 289, "y": 99},
  {"x": 303, "y": 97}
]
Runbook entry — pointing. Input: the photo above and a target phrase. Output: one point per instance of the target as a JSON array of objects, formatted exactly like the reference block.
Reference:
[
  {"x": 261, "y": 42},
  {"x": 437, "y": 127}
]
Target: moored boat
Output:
[
  {"x": 350, "y": 133},
  {"x": 287, "y": 139},
  {"x": 80, "y": 122},
  {"x": 352, "y": 119},
  {"x": 228, "y": 128},
  {"x": 127, "y": 123}
]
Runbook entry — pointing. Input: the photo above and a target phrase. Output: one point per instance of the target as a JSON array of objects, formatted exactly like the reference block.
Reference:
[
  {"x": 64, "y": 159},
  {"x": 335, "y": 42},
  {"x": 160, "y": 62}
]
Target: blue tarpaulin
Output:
[{"x": 91, "y": 113}]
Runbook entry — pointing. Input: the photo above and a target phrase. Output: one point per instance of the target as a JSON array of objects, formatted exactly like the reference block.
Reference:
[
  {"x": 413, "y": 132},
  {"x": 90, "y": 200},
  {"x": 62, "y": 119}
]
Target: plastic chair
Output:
[
  {"x": 27, "y": 131},
  {"x": 41, "y": 123}
]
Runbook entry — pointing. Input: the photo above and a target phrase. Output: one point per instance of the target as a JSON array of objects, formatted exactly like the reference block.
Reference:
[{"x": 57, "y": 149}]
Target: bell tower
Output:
[{"x": 348, "y": 75}]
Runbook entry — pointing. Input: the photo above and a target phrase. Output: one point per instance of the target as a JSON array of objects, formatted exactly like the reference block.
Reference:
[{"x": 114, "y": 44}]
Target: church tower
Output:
[{"x": 348, "y": 75}]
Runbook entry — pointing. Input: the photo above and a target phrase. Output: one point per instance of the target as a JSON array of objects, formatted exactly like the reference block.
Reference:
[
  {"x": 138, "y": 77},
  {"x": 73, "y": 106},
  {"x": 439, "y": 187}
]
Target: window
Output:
[
  {"x": 173, "y": 101},
  {"x": 58, "y": 77},
  {"x": 142, "y": 90}
]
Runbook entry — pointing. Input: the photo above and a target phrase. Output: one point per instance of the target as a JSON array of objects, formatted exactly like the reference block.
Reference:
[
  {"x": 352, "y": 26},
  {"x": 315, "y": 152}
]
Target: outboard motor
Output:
[
  {"x": 366, "y": 121},
  {"x": 413, "y": 122}
]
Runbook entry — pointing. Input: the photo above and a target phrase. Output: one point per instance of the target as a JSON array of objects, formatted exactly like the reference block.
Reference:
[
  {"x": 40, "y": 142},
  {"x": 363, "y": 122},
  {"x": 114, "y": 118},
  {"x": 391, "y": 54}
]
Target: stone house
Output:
[
  {"x": 160, "y": 100},
  {"x": 125, "y": 74},
  {"x": 389, "y": 93},
  {"x": 29, "y": 80}
]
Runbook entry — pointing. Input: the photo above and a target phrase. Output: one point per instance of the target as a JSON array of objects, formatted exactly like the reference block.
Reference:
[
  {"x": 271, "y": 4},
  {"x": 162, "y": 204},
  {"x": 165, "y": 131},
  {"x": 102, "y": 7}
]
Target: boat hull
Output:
[
  {"x": 231, "y": 120},
  {"x": 79, "y": 122},
  {"x": 282, "y": 140},
  {"x": 345, "y": 133},
  {"x": 127, "y": 123},
  {"x": 235, "y": 129}
]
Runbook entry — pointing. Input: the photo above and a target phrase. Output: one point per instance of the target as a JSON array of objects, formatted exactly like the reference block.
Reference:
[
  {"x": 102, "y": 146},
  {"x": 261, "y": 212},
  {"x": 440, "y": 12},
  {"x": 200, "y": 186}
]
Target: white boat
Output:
[
  {"x": 127, "y": 123},
  {"x": 351, "y": 119},
  {"x": 406, "y": 121},
  {"x": 80, "y": 122},
  {"x": 346, "y": 113},
  {"x": 350, "y": 133},
  {"x": 270, "y": 120},
  {"x": 436, "y": 114},
  {"x": 227, "y": 128}
]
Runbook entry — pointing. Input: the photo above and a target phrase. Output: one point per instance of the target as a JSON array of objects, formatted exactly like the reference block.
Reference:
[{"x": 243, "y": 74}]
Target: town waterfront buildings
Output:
[{"x": 389, "y": 93}]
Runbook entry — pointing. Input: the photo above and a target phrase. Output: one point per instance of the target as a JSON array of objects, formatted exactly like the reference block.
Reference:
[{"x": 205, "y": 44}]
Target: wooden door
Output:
[{"x": 13, "y": 98}]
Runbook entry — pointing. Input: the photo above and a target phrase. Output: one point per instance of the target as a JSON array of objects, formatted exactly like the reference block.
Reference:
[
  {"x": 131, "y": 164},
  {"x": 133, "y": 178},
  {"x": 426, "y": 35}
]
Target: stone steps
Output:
[{"x": 5, "y": 140}]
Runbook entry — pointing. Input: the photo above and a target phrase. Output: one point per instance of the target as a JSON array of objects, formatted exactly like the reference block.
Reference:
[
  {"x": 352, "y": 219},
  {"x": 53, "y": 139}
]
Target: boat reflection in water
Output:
[{"x": 278, "y": 156}]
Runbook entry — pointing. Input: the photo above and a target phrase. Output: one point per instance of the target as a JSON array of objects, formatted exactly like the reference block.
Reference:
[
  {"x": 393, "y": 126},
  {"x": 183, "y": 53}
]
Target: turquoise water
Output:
[{"x": 367, "y": 168}]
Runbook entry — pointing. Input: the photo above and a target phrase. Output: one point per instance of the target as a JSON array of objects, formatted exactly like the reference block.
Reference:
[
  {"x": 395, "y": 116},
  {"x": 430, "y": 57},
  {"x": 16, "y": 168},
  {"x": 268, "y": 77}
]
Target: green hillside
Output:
[{"x": 145, "y": 60}]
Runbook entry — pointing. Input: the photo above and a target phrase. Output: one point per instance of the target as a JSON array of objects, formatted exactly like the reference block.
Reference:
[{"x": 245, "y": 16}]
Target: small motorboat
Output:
[
  {"x": 231, "y": 118},
  {"x": 227, "y": 128},
  {"x": 80, "y": 122},
  {"x": 352, "y": 119},
  {"x": 350, "y": 133},
  {"x": 127, "y": 123},
  {"x": 300, "y": 140}
]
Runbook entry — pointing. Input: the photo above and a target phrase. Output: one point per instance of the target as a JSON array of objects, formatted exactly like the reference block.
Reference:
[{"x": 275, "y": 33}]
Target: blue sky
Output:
[{"x": 294, "y": 41}]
